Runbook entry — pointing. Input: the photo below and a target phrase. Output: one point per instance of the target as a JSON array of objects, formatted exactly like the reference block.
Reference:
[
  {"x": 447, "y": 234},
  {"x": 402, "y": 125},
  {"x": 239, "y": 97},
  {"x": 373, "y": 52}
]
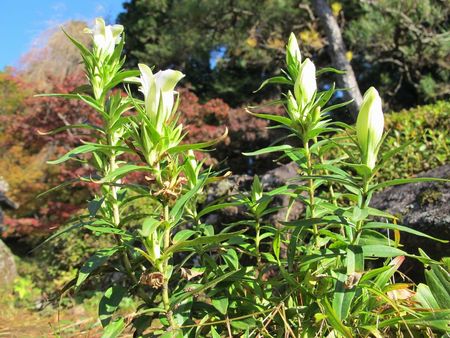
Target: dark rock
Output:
[
  {"x": 240, "y": 183},
  {"x": 5, "y": 204},
  {"x": 424, "y": 206}
]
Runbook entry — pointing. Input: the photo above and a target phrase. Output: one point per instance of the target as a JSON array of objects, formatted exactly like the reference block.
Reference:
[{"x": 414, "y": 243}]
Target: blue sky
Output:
[{"x": 22, "y": 21}]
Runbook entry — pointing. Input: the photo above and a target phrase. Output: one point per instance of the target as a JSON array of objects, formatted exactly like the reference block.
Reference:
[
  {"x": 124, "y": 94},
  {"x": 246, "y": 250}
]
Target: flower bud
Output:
[
  {"x": 292, "y": 50},
  {"x": 305, "y": 85},
  {"x": 369, "y": 127},
  {"x": 292, "y": 106}
]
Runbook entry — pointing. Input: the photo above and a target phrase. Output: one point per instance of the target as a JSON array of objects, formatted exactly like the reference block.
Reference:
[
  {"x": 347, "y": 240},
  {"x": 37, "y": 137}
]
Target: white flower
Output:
[
  {"x": 157, "y": 87},
  {"x": 369, "y": 126},
  {"x": 305, "y": 85},
  {"x": 105, "y": 37}
]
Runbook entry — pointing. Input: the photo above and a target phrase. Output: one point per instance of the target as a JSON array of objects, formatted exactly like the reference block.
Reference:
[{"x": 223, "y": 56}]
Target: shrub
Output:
[{"x": 429, "y": 129}]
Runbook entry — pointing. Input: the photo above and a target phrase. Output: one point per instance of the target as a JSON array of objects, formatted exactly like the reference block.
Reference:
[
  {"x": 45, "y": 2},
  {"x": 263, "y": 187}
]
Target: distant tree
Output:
[
  {"x": 25, "y": 152},
  {"x": 338, "y": 55},
  {"x": 53, "y": 57},
  {"x": 13, "y": 92},
  {"x": 243, "y": 39},
  {"x": 402, "y": 47}
]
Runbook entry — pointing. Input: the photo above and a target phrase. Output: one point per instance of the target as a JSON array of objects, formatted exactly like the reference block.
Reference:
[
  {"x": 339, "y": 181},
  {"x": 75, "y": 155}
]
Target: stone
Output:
[
  {"x": 240, "y": 183},
  {"x": 423, "y": 206},
  {"x": 8, "y": 271}
]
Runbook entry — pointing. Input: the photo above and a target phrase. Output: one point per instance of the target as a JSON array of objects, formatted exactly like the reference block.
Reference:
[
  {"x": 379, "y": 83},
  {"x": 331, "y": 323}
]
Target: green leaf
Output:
[
  {"x": 149, "y": 226},
  {"x": 334, "y": 320},
  {"x": 359, "y": 214},
  {"x": 108, "y": 230},
  {"x": 342, "y": 297},
  {"x": 114, "y": 329},
  {"x": 221, "y": 304},
  {"x": 214, "y": 333},
  {"x": 344, "y": 181},
  {"x": 123, "y": 170},
  {"x": 95, "y": 261},
  {"x": 215, "y": 207},
  {"x": 380, "y": 213},
  {"x": 83, "y": 149},
  {"x": 58, "y": 187},
  {"x": 381, "y": 225},
  {"x": 183, "y": 295},
  {"x": 434, "y": 320},
  {"x": 188, "y": 245},
  {"x": 343, "y": 294},
  {"x": 183, "y": 235},
  {"x": 439, "y": 282},
  {"x": 329, "y": 70},
  {"x": 425, "y": 297},
  {"x": 304, "y": 223},
  {"x": 274, "y": 80},
  {"x": 401, "y": 181},
  {"x": 387, "y": 155},
  {"x": 244, "y": 324},
  {"x": 196, "y": 146},
  {"x": 382, "y": 251},
  {"x": 120, "y": 77},
  {"x": 110, "y": 302},
  {"x": 72, "y": 126},
  {"x": 177, "y": 210},
  {"x": 366, "y": 277},
  {"x": 95, "y": 205},
  {"x": 60, "y": 232},
  {"x": 277, "y": 245},
  {"x": 280, "y": 119},
  {"x": 336, "y": 106},
  {"x": 231, "y": 258},
  {"x": 268, "y": 150},
  {"x": 355, "y": 259},
  {"x": 84, "y": 51}
]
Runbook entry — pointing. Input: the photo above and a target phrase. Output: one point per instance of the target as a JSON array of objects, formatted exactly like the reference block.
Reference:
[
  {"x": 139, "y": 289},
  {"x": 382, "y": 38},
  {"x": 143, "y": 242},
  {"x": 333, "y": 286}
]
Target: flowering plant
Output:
[{"x": 307, "y": 276}]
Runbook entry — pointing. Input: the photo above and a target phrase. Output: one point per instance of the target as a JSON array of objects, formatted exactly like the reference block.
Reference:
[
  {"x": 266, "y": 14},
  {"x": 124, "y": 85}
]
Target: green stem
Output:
[
  {"x": 165, "y": 264},
  {"x": 311, "y": 190},
  {"x": 330, "y": 185},
  {"x": 257, "y": 242},
  {"x": 116, "y": 221},
  {"x": 363, "y": 203}
]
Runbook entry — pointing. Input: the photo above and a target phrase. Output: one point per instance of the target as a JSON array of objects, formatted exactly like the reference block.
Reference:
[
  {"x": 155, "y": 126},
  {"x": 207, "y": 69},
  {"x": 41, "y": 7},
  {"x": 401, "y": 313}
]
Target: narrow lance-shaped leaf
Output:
[{"x": 95, "y": 261}]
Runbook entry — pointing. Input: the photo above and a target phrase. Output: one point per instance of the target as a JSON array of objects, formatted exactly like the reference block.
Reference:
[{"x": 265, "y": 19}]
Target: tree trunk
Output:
[{"x": 337, "y": 53}]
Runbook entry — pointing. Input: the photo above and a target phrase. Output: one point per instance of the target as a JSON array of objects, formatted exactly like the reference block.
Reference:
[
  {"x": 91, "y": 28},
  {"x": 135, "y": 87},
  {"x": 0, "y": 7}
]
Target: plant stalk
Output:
[
  {"x": 116, "y": 221},
  {"x": 311, "y": 190},
  {"x": 165, "y": 264},
  {"x": 257, "y": 242}
]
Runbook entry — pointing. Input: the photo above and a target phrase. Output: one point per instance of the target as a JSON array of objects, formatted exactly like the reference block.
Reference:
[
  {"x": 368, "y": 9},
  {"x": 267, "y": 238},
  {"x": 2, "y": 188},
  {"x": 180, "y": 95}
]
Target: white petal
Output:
[{"x": 168, "y": 79}]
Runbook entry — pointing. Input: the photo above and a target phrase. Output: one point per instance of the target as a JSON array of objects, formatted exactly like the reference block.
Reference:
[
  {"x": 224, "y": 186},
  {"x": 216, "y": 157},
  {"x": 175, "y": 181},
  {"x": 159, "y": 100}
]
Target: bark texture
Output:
[{"x": 337, "y": 53}]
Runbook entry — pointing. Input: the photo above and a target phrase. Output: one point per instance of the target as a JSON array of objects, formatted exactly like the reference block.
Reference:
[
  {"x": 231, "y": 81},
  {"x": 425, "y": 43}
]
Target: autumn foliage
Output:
[
  {"x": 26, "y": 147},
  {"x": 24, "y": 156}
]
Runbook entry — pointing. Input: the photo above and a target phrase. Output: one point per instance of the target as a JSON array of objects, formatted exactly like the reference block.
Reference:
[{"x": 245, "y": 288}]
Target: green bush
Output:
[
  {"x": 56, "y": 263},
  {"x": 428, "y": 128}
]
